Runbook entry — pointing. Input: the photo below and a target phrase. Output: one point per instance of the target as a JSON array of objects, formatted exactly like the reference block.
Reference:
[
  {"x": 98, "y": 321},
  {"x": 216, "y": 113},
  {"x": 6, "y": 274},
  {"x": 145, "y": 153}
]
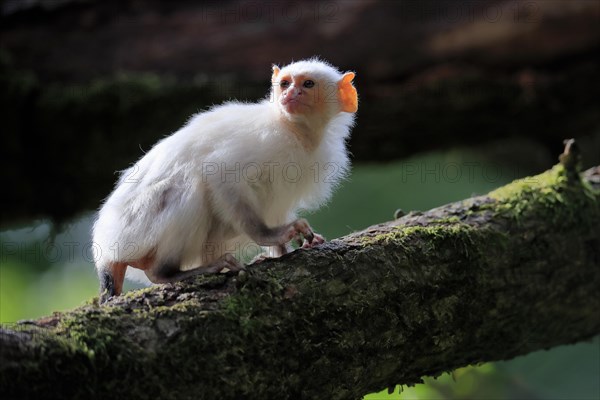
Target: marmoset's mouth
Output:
[
  {"x": 292, "y": 105},
  {"x": 288, "y": 100}
]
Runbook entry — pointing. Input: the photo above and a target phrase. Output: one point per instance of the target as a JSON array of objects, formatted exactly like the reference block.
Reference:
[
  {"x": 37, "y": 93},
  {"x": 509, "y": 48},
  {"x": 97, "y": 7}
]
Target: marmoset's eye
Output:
[
  {"x": 308, "y": 84},
  {"x": 284, "y": 84}
]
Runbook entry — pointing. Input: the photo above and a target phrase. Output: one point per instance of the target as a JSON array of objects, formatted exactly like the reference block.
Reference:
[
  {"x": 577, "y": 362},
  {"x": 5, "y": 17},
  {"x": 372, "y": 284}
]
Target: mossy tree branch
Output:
[{"x": 484, "y": 279}]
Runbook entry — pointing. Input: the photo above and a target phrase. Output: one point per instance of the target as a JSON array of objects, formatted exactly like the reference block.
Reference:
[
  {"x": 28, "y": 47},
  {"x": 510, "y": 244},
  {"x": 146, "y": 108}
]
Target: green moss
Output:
[
  {"x": 138, "y": 293},
  {"x": 550, "y": 196},
  {"x": 431, "y": 233},
  {"x": 532, "y": 187}
]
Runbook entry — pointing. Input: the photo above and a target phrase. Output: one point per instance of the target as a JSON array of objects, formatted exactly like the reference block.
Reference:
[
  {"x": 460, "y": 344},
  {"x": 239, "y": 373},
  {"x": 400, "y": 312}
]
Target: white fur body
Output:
[{"x": 177, "y": 202}]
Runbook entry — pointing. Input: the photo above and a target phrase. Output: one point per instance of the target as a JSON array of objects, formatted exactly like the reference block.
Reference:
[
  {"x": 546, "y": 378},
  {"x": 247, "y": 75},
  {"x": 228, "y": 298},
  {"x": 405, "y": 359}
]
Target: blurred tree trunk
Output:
[
  {"x": 85, "y": 85},
  {"x": 484, "y": 279}
]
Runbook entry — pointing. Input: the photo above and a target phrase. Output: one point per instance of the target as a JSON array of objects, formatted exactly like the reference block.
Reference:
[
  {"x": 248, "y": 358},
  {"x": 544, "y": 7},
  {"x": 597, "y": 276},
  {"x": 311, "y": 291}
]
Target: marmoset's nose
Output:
[{"x": 290, "y": 94}]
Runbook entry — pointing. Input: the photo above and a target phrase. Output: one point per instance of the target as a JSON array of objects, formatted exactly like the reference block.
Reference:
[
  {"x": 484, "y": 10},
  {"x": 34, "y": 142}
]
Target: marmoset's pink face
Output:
[
  {"x": 300, "y": 94},
  {"x": 305, "y": 94}
]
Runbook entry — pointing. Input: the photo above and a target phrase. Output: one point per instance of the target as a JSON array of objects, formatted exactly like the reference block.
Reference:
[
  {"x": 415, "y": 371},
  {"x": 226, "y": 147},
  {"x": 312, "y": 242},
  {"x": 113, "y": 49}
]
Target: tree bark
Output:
[{"x": 484, "y": 279}]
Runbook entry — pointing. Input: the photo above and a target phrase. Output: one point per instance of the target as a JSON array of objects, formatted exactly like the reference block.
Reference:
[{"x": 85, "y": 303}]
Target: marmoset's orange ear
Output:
[
  {"x": 348, "y": 94},
  {"x": 275, "y": 72}
]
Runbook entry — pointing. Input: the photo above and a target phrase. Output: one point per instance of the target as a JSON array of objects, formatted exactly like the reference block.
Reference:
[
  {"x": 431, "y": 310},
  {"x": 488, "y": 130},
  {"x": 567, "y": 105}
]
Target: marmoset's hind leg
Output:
[
  {"x": 167, "y": 273},
  {"x": 111, "y": 280}
]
